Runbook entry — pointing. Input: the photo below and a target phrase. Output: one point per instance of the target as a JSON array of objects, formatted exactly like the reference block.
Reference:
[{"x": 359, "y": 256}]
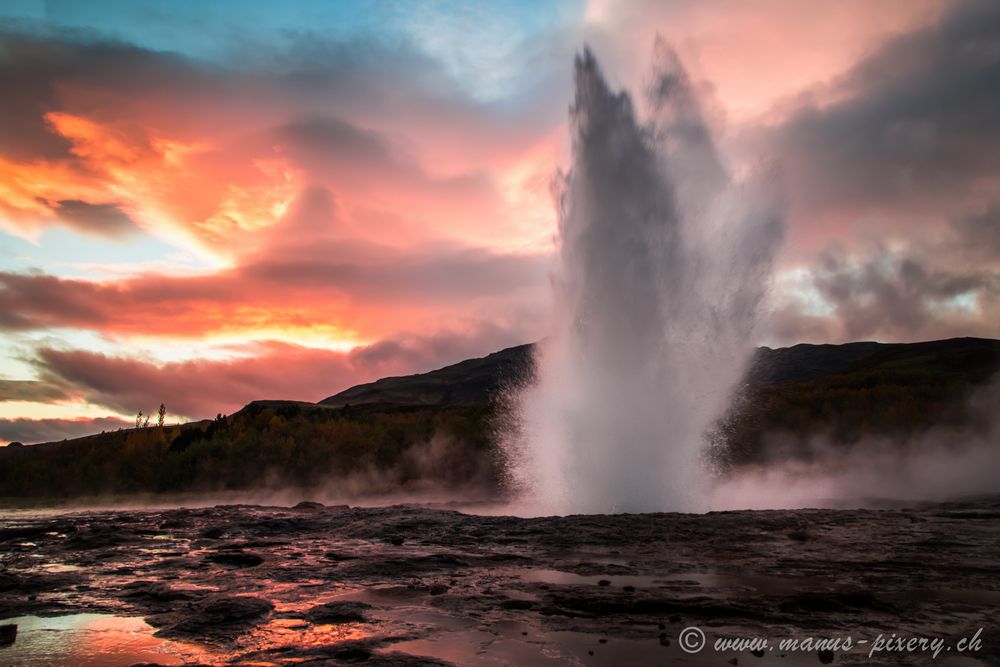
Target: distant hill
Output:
[
  {"x": 438, "y": 428},
  {"x": 972, "y": 358},
  {"x": 469, "y": 382}
]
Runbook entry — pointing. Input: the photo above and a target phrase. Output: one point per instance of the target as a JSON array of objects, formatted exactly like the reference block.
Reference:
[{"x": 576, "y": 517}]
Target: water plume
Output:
[{"x": 663, "y": 264}]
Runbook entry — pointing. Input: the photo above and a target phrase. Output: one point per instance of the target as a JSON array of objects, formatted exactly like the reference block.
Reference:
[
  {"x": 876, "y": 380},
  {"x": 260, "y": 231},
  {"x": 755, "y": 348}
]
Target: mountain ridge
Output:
[{"x": 500, "y": 371}]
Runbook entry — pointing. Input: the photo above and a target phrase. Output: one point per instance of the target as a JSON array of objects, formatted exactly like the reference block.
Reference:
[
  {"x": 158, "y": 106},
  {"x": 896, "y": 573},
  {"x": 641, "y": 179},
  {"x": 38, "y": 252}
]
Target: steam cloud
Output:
[
  {"x": 940, "y": 464},
  {"x": 664, "y": 262}
]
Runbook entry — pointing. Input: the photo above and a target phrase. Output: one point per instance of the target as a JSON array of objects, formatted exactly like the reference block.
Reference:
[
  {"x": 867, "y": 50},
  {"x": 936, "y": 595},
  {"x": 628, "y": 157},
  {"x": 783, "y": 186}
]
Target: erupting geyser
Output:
[{"x": 664, "y": 261}]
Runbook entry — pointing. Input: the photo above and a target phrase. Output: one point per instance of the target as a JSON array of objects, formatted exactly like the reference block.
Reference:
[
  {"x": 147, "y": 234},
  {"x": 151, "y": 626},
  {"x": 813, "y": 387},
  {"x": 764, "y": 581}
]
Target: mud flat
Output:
[{"x": 415, "y": 585}]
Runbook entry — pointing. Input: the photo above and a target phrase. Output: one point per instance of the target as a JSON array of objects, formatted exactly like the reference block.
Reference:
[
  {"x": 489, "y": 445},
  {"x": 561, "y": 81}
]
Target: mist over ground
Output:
[{"x": 940, "y": 463}]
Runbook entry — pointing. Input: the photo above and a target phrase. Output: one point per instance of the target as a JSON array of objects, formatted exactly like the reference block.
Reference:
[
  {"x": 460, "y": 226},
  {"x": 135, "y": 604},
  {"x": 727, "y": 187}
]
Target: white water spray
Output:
[{"x": 664, "y": 261}]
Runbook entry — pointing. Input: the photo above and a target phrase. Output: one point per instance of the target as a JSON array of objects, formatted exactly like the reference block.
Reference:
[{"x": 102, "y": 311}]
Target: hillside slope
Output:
[{"x": 469, "y": 382}]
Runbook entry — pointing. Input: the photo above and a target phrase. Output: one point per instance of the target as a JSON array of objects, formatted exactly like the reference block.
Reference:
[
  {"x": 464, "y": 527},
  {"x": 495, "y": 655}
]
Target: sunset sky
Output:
[{"x": 202, "y": 204}]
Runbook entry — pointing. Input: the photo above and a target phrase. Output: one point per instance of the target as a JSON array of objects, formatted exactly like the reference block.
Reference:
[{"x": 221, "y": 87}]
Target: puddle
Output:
[
  {"x": 105, "y": 640},
  {"x": 93, "y": 640},
  {"x": 60, "y": 567},
  {"x": 707, "y": 580},
  {"x": 561, "y": 578}
]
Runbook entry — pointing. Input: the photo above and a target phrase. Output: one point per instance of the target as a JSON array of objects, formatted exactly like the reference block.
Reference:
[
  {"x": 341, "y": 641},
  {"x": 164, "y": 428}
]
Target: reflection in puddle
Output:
[
  {"x": 93, "y": 640},
  {"x": 706, "y": 580},
  {"x": 561, "y": 578},
  {"x": 60, "y": 568},
  {"x": 105, "y": 640}
]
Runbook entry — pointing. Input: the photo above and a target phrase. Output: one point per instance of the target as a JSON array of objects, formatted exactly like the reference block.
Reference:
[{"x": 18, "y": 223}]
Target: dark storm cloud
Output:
[
  {"x": 27, "y": 70},
  {"x": 886, "y": 295},
  {"x": 329, "y": 135},
  {"x": 941, "y": 284},
  {"x": 979, "y": 235},
  {"x": 422, "y": 353},
  {"x": 202, "y": 387},
  {"x": 37, "y": 301},
  {"x": 42, "y": 70},
  {"x": 904, "y": 147},
  {"x": 105, "y": 219},
  {"x": 30, "y": 431},
  {"x": 325, "y": 271},
  {"x": 347, "y": 153},
  {"x": 37, "y": 68},
  {"x": 916, "y": 121},
  {"x": 891, "y": 295},
  {"x": 432, "y": 274},
  {"x": 31, "y": 390}
]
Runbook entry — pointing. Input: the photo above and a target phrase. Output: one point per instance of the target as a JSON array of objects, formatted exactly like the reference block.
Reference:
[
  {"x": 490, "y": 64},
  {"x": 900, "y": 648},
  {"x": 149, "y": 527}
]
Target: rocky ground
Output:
[{"x": 408, "y": 585}]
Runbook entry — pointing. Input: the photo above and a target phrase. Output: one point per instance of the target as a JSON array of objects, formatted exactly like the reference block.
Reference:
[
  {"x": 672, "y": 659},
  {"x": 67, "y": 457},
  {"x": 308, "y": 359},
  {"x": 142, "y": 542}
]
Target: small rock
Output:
[
  {"x": 8, "y": 633},
  {"x": 337, "y": 557},
  {"x": 236, "y": 559},
  {"x": 517, "y": 604},
  {"x": 628, "y": 589},
  {"x": 438, "y": 589},
  {"x": 237, "y": 608},
  {"x": 396, "y": 541},
  {"x": 309, "y": 505},
  {"x": 825, "y": 656},
  {"x": 602, "y": 640},
  {"x": 603, "y": 582},
  {"x": 757, "y": 654},
  {"x": 734, "y": 661},
  {"x": 353, "y": 654},
  {"x": 153, "y": 591},
  {"x": 214, "y": 618},
  {"x": 339, "y": 612},
  {"x": 213, "y": 532}
]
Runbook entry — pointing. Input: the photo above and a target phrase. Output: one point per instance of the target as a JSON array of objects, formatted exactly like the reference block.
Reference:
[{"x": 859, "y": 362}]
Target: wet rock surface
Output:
[{"x": 411, "y": 585}]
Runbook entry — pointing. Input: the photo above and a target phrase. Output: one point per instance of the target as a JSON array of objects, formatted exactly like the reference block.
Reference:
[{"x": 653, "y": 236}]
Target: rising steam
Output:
[
  {"x": 943, "y": 463},
  {"x": 664, "y": 262}
]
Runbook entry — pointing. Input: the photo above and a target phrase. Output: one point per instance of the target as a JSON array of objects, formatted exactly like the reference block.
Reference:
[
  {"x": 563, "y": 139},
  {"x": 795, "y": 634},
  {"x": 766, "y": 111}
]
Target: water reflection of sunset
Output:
[
  {"x": 105, "y": 640},
  {"x": 95, "y": 640}
]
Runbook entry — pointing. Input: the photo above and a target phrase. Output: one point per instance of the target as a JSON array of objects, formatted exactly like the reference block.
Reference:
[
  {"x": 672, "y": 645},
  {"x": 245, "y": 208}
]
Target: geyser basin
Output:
[{"x": 489, "y": 590}]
